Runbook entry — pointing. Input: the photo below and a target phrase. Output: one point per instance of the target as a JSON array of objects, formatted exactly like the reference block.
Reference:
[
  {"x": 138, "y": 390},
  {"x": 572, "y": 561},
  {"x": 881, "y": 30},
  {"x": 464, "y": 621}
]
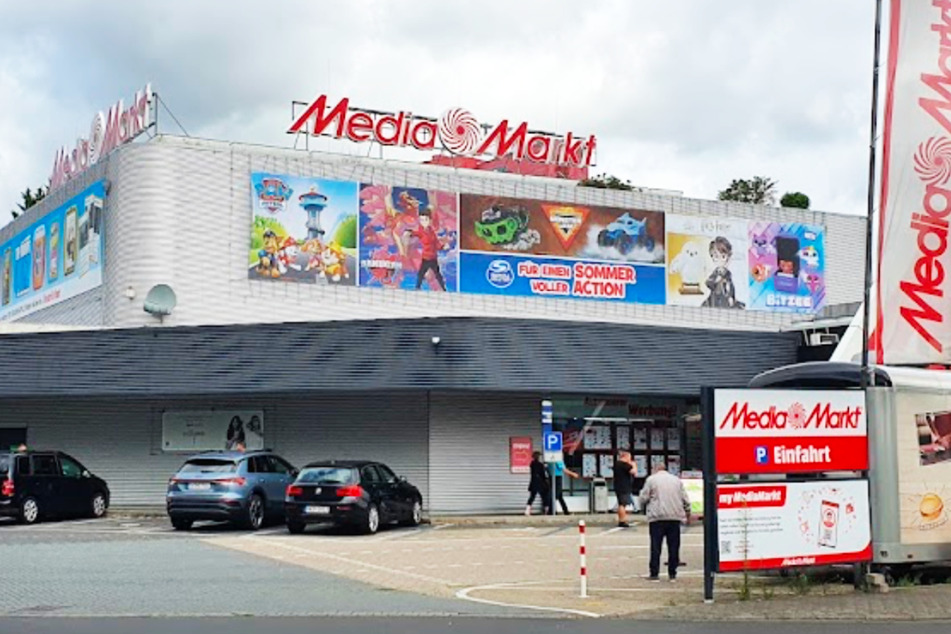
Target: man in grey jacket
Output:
[{"x": 667, "y": 504}]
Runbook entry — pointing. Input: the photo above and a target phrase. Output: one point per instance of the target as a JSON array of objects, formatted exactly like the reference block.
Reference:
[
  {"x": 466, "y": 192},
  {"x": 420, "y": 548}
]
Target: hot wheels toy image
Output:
[
  {"x": 507, "y": 227},
  {"x": 624, "y": 234}
]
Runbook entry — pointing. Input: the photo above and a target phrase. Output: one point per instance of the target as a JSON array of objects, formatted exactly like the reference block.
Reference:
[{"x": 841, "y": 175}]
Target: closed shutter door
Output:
[{"x": 469, "y": 450}]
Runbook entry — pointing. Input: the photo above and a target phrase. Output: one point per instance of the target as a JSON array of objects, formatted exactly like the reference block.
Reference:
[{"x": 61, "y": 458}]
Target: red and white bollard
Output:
[{"x": 584, "y": 567}]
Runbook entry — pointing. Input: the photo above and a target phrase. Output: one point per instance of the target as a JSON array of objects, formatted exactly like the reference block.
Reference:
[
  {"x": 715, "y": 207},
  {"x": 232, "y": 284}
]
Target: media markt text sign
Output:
[
  {"x": 766, "y": 526},
  {"x": 790, "y": 431}
]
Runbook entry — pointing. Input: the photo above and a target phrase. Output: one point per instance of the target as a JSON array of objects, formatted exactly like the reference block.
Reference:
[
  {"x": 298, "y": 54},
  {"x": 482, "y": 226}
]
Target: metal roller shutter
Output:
[{"x": 469, "y": 450}]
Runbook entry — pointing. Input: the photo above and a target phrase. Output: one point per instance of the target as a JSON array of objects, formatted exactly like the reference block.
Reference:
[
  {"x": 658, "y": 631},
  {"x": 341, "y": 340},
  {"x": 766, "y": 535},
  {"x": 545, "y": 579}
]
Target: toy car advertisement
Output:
[
  {"x": 533, "y": 227},
  {"x": 304, "y": 230},
  {"x": 786, "y": 267},
  {"x": 409, "y": 238},
  {"x": 767, "y": 526},
  {"x": 41, "y": 268},
  {"x": 706, "y": 262}
]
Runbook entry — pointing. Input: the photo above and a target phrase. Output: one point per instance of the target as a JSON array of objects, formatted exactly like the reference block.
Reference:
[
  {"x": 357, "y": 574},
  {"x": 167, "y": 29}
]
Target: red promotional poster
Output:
[
  {"x": 790, "y": 431},
  {"x": 520, "y": 454}
]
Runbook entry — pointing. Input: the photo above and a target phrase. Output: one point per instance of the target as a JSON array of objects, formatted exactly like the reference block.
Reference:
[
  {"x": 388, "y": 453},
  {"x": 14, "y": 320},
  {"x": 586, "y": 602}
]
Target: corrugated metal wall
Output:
[
  {"x": 179, "y": 213},
  {"x": 121, "y": 440},
  {"x": 469, "y": 450}
]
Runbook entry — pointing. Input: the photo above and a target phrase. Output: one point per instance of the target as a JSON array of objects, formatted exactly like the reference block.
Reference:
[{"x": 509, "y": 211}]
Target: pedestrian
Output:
[
  {"x": 624, "y": 473},
  {"x": 21, "y": 448},
  {"x": 560, "y": 469},
  {"x": 539, "y": 484},
  {"x": 667, "y": 504}
]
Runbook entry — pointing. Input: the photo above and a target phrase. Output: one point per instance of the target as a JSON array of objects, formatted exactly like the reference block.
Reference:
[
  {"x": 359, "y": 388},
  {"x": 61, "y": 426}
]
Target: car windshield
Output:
[
  {"x": 5, "y": 464},
  {"x": 209, "y": 465},
  {"x": 327, "y": 475}
]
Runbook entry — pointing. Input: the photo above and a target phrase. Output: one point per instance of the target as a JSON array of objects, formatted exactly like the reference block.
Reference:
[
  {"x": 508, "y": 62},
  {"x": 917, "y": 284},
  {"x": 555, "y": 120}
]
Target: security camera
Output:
[{"x": 436, "y": 341}]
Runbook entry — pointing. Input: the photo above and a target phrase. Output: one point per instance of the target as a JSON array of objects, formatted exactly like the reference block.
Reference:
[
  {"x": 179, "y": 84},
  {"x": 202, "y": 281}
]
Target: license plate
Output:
[
  {"x": 200, "y": 486},
  {"x": 317, "y": 510}
]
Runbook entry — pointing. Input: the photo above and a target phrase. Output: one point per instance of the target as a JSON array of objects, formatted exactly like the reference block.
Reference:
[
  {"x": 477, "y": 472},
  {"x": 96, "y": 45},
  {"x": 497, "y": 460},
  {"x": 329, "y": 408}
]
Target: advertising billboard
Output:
[
  {"x": 923, "y": 442},
  {"x": 787, "y": 267},
  {"x": 707, "y": 262},
  {"x": 55, "y": 258},
  {"x": 790, "y": 431},
  {"x": 409, "y": 238},
  {"x": 520, "y": 454},
  {"x": 775, "y": 525},
  {"x": 533, "y": 248},
  {"x": 303, "y": 230},
  {"x": 205, "y": 430}
]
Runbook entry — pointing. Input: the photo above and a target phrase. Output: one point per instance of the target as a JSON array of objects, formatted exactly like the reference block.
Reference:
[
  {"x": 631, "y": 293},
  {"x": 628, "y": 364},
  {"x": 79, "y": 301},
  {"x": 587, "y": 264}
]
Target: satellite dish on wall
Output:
[{"x": 160, "y": 301}]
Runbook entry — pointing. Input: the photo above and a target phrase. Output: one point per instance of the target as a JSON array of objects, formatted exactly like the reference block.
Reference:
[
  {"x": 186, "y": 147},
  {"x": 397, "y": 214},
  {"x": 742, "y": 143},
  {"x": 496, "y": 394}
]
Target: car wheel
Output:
[
  {"x": 295, "y": 528},
  {"x": 415, "y": 515},
  {"x": 99, "y": 505},
  {"x": 255, "y": 513},
  {"x": 29, "y": 511},
  {"x": 373, "y": 520},
  {"x": 181, "y": 525}
]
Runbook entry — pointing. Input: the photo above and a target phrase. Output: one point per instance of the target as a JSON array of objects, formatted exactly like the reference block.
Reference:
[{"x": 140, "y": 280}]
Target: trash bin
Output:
[{"x": 599, "y": 496}]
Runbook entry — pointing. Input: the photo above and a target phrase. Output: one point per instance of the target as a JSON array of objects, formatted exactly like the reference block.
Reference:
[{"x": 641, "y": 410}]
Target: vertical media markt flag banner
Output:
[
  {"x": 534, "y": 248},
  {"x": 775, "y": 525},
  {"x": 913, "y": 284},
  {"x": 790, "y": 431},
  {"x": 707, "y": 262},
  {"x": 786, "y": 267},
  {"x": 408, "y": 238},
  {"x": 304, "y": 230},
  {"x": 57, "y": 257}
]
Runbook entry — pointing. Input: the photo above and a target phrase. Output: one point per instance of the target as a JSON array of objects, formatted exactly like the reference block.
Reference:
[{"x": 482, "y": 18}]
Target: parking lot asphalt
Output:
[{"x": 144, "y": 568}]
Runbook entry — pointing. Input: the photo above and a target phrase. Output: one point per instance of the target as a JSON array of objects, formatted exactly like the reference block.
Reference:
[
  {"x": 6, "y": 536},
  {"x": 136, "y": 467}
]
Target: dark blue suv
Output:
[{"x": 245, "y": 488}]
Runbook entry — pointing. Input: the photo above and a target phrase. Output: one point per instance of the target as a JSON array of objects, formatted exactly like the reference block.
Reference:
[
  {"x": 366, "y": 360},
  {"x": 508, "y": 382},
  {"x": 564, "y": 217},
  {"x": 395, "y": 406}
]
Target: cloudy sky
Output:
[{"x": 682, "y": 95}]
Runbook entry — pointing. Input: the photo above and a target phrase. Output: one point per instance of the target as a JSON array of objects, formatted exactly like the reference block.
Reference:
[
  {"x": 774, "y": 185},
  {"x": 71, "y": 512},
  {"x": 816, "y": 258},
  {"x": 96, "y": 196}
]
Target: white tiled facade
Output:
[{"x": 178, "y": 212}]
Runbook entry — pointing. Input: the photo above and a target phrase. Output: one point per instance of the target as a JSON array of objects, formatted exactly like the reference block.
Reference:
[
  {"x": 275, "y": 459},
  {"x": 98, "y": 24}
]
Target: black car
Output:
[
  {"x": 36, "y": 485},
  {"x": 356, "y": 493}
]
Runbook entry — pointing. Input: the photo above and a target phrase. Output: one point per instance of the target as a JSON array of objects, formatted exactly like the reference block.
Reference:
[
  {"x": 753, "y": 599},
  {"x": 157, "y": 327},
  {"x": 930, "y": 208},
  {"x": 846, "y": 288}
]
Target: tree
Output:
[
  {"x": 759, "y": 191},
  {"x": 606, "y": 181},
  {"x": 30, "y": 198},
  {"x": 794, "y": 199}
]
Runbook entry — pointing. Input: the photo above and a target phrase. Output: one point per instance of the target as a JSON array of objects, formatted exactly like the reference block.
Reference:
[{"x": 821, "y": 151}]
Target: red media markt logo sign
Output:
[{"x": 742, "y": 415}]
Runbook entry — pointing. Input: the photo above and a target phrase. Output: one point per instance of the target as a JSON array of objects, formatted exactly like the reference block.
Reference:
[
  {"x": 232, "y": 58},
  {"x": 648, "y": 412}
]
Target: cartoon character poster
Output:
[
  {"x": 533, "y": 227},
  {"x": 706, "y": 262},
  {"x": 408, "y": 238},
  {"x": 786, "y": 267},
  {"x": 304, "y": 230}
]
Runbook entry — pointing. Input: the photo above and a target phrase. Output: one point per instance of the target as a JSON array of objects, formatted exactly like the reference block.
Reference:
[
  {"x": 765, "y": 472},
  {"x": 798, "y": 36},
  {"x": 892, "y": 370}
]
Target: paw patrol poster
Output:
[
  {"x": 706, "y": 262},
  {"x": 303, "y": 230},
  {"x": 408, "y": 238},
  {"x": 786, "y": 267}
]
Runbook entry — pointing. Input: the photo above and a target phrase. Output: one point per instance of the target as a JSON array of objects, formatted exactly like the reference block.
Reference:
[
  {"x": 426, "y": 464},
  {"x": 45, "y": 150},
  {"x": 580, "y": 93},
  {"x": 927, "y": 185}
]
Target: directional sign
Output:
[{"x": 552, "y": 444}]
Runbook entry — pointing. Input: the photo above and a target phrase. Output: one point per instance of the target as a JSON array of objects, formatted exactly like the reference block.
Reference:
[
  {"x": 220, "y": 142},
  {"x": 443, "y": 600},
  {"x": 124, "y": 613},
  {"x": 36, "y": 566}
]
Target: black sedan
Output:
[{"x": 356, "y": 493}]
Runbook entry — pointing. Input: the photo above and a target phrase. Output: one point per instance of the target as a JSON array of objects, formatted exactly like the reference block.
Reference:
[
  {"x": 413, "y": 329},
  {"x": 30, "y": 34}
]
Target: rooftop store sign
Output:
[
  {"x": 457, "y": 130},
  {"x": 109, "y": 130}
]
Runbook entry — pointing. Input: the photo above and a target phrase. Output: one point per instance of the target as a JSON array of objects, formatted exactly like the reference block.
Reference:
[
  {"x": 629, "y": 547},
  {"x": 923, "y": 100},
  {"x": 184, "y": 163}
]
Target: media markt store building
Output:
[{"x": 656, "y": 430}]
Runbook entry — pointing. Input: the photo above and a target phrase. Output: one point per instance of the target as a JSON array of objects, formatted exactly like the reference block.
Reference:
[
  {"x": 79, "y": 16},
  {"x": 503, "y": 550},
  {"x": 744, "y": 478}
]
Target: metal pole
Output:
[
  {"x": 584, "y": 563},
  {"x": 710, "y": 553},
  {"x": 868, "y": 373}
]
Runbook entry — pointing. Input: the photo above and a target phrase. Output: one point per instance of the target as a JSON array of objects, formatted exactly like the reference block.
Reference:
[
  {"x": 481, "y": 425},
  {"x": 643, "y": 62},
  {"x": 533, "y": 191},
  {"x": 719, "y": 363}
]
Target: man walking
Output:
[
  {"x": 624, "y": 473},
  {"x": 539, "y": 484},
  {"x": 667, "y": 504}
]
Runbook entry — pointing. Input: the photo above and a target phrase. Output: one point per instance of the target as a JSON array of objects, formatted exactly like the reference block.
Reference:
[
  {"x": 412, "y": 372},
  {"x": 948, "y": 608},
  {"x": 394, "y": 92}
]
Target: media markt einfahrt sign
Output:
[
  {"x": 457, "y": 130},
  {"x": 790, "y": 431}
]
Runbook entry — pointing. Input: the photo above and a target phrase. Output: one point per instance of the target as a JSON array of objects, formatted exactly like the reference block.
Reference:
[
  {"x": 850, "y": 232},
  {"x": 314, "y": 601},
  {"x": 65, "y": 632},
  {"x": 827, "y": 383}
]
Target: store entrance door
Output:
[{"x": 12, "y": 437}]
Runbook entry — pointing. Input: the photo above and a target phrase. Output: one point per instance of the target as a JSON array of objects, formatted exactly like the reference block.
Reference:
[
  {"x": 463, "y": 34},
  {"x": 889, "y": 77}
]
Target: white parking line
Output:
[{"x": 464, "y": 594}]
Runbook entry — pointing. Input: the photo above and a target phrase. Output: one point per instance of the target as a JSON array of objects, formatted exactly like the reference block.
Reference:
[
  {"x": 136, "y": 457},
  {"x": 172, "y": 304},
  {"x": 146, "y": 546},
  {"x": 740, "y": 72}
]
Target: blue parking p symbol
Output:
[{"x": 762, "y": 455}]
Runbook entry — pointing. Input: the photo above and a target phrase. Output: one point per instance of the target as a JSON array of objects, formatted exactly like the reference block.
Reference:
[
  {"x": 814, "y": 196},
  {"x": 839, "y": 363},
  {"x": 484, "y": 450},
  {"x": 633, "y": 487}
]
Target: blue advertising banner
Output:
[
  {"x": 787, "y": 267},
  {"x": 57, "y": 257},
  {"x": 533, "y": 276}
]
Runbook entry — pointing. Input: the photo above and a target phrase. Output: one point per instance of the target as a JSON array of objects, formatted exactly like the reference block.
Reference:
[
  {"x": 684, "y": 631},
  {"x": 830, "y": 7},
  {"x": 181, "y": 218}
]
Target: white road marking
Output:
[{"x": 464, "y": 594}]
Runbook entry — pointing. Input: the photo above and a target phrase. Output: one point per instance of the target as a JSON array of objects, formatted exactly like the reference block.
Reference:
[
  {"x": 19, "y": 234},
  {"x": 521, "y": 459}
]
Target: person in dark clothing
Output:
[
  {"x": 539, "y": 485},
  {"x": 624, "y": 473}
]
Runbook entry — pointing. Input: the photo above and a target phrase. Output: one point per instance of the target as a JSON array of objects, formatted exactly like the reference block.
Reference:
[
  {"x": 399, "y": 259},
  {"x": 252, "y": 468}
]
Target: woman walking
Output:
[{"x": 539, "y": 485}]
